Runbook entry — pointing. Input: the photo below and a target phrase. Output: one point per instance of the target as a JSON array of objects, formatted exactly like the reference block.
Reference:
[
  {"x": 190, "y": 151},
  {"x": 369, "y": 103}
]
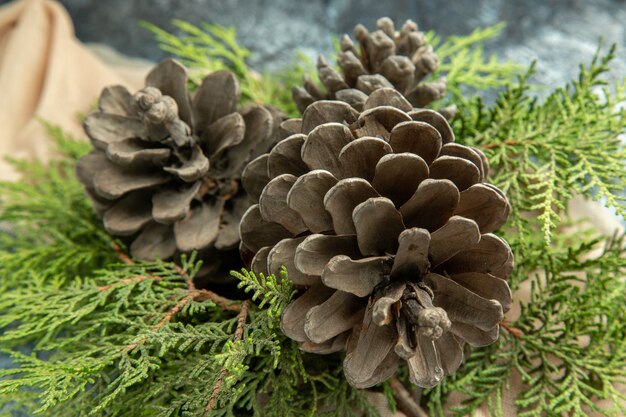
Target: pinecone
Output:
[
  {"x": 166, "y": 167},
  {"x": 384, "y": 224},
  {"x": 384, "y": 58}
]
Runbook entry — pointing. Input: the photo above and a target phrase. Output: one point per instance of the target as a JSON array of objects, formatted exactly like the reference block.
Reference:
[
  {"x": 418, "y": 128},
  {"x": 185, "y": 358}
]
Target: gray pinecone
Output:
[
  {"x": 166, "y": 166},
  {"x": 383, "y": 58},
  {"x": 385, "y": 225}
]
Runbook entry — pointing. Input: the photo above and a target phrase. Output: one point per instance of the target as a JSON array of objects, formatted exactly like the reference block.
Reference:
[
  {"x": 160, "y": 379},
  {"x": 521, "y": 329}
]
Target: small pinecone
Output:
[
  {"x": 166, "y": 167},
  {"x": 384, "y": 224},
  {"x": 384, "y": 58}
]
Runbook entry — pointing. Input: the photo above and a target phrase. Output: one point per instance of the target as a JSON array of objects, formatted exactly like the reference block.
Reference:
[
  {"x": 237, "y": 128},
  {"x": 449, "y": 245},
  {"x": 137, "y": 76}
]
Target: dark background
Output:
[{"x": 559, "y": 33}]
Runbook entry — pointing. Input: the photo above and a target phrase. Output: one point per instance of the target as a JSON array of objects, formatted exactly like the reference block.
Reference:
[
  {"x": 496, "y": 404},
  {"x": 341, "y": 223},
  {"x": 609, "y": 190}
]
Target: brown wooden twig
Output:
[
  {"x": 175, "y": 310},
  {"x": 513, "y": 331},
  {"x": 241, "y": 324},
  {"x": 180, "y": 271},
  {"x": 203, "y": 295},
  {"x": 121, "y": 255},
  {"x": 505, "y": 143},
  {"x": 166, "y": 319},
  {"x": 193, "y": 294},
  {"x": 129, "y": 280},
  {"x": 222, "y": 302},
  {"x": 405, "y": 401}
]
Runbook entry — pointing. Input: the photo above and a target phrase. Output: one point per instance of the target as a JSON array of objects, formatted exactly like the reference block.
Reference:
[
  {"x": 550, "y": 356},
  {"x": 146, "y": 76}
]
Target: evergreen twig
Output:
[
  {"x": 542, "y": 154},
  {"x": 75, "y": 303},
  {"x": 208, "y": 48},
  {"x": 466, "y": 67},
  {"x": 241, "y": 323}
]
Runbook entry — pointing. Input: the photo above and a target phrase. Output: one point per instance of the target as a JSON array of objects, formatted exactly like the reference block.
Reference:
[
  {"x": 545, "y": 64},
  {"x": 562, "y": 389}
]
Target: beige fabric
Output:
[{"x": 45, "y": 73}]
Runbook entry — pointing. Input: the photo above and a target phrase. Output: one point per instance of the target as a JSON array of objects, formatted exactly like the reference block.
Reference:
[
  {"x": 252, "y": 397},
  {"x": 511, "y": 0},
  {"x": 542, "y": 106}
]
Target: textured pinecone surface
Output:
[
  {"x": 385, "y": 225},
  {"x": 166, "y": 165},
  {"x": 385, "y": 58}
]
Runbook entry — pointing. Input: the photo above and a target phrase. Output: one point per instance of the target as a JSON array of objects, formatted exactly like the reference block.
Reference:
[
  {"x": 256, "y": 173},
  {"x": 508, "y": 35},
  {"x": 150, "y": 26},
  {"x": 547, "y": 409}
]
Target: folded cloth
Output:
[{"x": 45, "y": 74}]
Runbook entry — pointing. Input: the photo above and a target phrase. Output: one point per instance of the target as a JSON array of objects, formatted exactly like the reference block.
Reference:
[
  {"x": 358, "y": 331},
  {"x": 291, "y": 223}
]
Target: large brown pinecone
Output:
[
  {"x": 384, "y": 58},
  {"x": 166, "y": 166},
  {"x": 384, "y": 224}
]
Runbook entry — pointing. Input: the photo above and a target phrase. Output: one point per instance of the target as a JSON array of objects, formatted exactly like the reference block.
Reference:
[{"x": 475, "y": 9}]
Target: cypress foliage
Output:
[{"x": 92, "y": 332}]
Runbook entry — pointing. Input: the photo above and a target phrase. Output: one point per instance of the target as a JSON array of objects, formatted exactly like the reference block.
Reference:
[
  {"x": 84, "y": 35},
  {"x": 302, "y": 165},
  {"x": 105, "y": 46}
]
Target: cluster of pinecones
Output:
[{"x": 383, "y": 222}]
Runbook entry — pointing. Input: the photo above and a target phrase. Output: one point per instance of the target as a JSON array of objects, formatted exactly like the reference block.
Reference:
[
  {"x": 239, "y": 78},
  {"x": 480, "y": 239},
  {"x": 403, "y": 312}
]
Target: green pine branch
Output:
[
  {"x": 466, "y": 66},
  {"x": 91, "y": 331},
  {"x": 545, "y": 153},
  {"x": 139, "y": 336},
  {"x": 271, "y": 292},
  {"x": 578, "y": 353},
  {"x": 50, "y": 226}
]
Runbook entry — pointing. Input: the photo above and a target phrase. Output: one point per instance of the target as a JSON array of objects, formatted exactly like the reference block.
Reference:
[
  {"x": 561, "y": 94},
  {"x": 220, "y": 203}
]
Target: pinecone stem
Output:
[
  {"x": 405, "y": 401},
  {"x": 412, "y": 309}
]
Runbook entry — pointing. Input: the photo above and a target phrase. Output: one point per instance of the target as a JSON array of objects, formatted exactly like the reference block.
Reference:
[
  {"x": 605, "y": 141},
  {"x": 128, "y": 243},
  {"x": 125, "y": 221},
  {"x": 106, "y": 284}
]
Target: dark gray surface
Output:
[{"x": 559, "y": 33}]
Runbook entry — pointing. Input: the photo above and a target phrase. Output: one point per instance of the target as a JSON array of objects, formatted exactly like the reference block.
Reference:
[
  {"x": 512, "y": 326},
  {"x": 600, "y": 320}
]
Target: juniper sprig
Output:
[{"x": 92, "y": 332}]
